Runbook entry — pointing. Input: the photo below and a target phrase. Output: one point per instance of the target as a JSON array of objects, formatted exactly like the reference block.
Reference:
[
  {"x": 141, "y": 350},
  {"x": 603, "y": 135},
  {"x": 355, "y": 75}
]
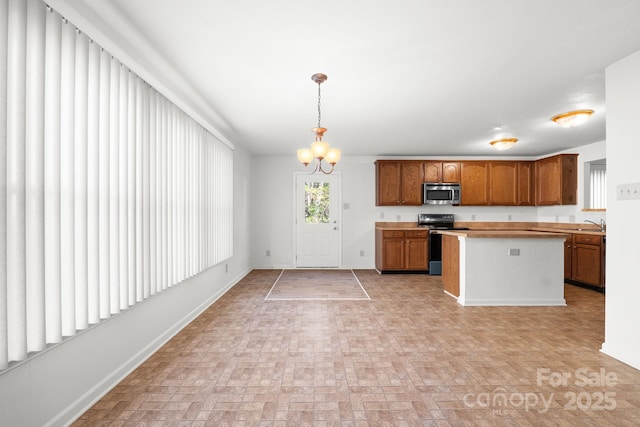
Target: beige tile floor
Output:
[{"x": 410, "y": 356}]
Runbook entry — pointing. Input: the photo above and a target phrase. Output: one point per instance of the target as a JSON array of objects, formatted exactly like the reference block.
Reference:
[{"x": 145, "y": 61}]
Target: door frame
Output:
[{"x": 295, "y": 216}]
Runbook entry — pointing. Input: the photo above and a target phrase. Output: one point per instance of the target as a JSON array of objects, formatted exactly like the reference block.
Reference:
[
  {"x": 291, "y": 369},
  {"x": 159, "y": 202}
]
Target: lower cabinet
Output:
[
  {"x": 584, "y": 259},
  {"x": 402, "y": 250}
]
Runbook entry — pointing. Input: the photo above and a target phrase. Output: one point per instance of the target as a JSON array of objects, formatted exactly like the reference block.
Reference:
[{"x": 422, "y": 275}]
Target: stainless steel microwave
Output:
[{"x": 441, "y": 193}]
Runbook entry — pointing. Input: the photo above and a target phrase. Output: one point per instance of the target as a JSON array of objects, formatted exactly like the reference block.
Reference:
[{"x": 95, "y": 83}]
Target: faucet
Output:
[{"x": 602, "y": 225}]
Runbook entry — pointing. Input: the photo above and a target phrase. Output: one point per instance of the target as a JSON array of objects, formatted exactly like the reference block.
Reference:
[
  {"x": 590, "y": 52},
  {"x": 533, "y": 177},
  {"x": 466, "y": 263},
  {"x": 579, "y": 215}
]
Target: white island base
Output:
[{"x": 504, "y": 268}]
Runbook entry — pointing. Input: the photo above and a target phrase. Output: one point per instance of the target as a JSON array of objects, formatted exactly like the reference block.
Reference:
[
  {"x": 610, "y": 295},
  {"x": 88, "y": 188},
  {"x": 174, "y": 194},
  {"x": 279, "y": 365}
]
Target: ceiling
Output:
[{"x": 405, "y": 77}]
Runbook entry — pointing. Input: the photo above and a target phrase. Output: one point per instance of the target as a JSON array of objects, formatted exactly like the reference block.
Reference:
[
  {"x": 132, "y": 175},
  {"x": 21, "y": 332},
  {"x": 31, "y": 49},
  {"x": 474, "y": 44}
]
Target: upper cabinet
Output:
[
  {"x": 438, "y": 171},
  {"x": 399, "y": 182},
  {"x": 557, "y": 180},
  {"x": 503, "y": 183},
  {"x": 474, "y": 183},
  {"x": 550, "y": 181},
  {"x": 526, "y": 191}
]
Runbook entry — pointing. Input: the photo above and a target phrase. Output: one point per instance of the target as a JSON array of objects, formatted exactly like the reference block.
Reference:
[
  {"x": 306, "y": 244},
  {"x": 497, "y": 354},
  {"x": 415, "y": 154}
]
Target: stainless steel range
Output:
[{"x": 436, "y": 222}]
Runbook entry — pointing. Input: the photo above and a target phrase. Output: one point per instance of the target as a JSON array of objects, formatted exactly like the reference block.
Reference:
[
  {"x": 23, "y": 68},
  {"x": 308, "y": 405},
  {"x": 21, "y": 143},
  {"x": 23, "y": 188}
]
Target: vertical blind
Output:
[
  {"x": 598, "y": 186},
  {"x": 109, "y": 193}
]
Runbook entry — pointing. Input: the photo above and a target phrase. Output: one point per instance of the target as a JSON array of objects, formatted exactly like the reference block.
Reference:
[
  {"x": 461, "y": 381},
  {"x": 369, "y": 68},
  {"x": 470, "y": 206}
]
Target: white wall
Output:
[
  {"x": 272, "y": 209},
  {"x": 61, "y": 383},
  {"x": 622, "y": 319}
]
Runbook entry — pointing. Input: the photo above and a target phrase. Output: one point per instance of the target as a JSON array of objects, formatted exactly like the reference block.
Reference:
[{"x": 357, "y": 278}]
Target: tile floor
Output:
[{"x": 411, "y": 356}]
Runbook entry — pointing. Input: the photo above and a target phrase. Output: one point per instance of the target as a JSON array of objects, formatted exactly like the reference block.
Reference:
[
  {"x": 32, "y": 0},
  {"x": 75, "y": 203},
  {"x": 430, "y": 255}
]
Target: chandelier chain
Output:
[{"x": 319, "y": 113}]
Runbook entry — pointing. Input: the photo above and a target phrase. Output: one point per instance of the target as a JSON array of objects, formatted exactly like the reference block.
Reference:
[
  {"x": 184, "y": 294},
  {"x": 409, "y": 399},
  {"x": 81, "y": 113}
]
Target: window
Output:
[
  {"x": 596, "y": 184},
  {"x": 111, "y": 192}
]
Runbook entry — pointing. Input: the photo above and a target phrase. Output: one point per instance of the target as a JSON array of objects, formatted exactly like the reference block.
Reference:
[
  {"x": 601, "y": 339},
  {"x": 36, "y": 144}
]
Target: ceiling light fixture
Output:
[
  {"x": 572, "y": 118},
  {"x": 320, "y": 150},
  {"x": 504, "y": 143}
]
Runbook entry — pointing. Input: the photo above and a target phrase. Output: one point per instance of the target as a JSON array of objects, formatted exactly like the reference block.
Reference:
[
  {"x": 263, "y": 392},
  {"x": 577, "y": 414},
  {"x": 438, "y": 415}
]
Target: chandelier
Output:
[{"x": 320, "y": 150}]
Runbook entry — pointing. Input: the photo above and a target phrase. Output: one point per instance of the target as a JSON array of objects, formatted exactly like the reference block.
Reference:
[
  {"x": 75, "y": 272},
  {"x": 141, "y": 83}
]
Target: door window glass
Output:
[{"x": 316, "y": 202}]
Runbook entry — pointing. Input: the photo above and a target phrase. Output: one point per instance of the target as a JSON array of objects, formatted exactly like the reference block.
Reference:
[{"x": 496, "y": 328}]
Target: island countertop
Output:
[{"x": 502, "y": 234}]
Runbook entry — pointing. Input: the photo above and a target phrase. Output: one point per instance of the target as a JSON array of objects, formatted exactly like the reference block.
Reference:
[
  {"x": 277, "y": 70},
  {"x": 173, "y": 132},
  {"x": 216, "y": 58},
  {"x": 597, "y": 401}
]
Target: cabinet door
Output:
[
  {"x": 586, "y": 264},
  {"x": 568, "y": 251},
  {"x": 393, "y": 254},
  {"x": 526, "y": 184},
  {"x": 416, "y": 254},
  {"x": 432, "y": 171},
  {"x": 503, "y": 178},
  {"x": 548, "y": 175},
  {"x": 411, "y": 193},
  {"x": 474, "y": 183},
  {"x": 416, "y": 249},
  {"x": 556, "y": 180},
  {"x": 388, "y": 183},
  {"x": 451, "y": 172},
  {"x": 569, "y": 182},
  {"x": 435, "y": 171}
]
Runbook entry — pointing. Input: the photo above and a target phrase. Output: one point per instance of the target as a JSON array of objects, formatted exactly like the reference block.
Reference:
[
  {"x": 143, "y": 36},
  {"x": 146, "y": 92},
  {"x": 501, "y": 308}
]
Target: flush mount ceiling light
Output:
[
  {"x": 572, "y": 118},
  {"x": 320, "y": 150},
  {"x": 504, "y": 143}
]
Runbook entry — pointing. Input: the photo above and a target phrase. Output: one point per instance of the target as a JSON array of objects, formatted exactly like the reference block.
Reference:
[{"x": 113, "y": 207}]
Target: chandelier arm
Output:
[{"x": 320, "y": 169}]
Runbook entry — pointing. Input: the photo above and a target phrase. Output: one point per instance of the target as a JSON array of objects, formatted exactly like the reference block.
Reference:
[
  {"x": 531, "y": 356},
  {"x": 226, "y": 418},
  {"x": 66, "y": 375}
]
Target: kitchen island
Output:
[{"x": 503, "y": 267}]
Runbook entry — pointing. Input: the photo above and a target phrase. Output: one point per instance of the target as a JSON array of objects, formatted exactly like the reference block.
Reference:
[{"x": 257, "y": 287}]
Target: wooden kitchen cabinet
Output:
[
  {"x": 526, "y": 184},
  {"x": 511, "y": 183},
  {"x": 402, "y": 250},
  {"x": 437, "y": 171},
  {"x": 503, "y": 183},
  {"x": 399, "y": 183},
  {"x": 568, "y": 253},
  {"x": 584, "y": 259},
  {"x": 556, "y": 180},
  {"x": 474, "y": 183}
]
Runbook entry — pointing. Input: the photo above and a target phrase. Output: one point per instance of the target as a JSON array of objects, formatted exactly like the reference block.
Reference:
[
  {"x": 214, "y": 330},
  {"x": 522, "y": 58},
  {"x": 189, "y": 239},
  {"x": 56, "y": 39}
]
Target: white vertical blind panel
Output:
[
  {"x": 34, "y": 145},
  {"x": 80, "y": 180},
  {"x": 145, "y": 191},
  {"x": 164, "y": 208},
  {"x": 103, "y": 183},
  {"x": 53, "y": 317},
  {"x": 16, "y": 298},
  {"x": 152, "y": 193},
  {"x": 93, "y": 182},
  {"x": 123, "y": 187},
  {"x": 114, "y": 186},
  {"x": 4, "y": 359},
  {"x": 67, "y": 207},
  {"x": 180, "y": 196},
  {"x": 131, "y": 187},
  {"x": 170, "y": 158},
  {"x": 139, "y": 261}
]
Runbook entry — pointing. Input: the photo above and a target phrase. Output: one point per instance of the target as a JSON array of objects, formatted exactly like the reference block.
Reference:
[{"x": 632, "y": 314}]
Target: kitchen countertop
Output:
[
  {"x": 508, "y": 234},
  {"x": 501, "y": 228},
  {"x": 399, "y": 226}
]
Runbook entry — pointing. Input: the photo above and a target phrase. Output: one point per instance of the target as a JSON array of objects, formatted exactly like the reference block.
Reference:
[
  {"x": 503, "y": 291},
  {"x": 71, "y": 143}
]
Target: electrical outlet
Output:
[
  {"x": 473, "y": 217},
  {"x": 346, "y": 206},
  {"x": 268, "y": 252},
  {"x": 398, "y": 217},
  {"x": 628, "y": 191},
  {"x": 361, "y": 253},
  {"x": 226, "y": 268},
  {"x": 508, "y": 217},
  {"x": 514, "y": 252}
]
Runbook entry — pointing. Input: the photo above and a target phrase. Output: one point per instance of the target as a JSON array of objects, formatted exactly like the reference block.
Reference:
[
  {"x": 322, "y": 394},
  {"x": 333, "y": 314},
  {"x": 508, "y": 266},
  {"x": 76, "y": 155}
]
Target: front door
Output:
[{"x": 317, "y": 221}]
